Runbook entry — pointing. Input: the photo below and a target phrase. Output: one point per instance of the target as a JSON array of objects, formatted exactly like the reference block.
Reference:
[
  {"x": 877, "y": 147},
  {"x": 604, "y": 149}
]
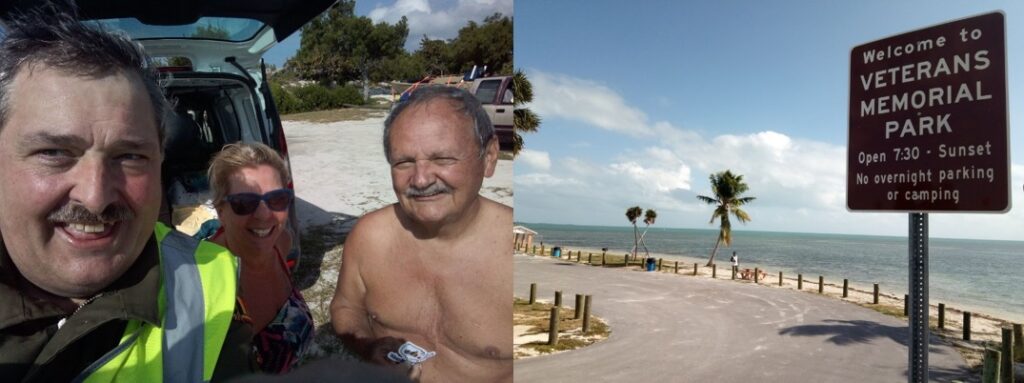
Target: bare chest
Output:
[{"x": 457, "y": 304}]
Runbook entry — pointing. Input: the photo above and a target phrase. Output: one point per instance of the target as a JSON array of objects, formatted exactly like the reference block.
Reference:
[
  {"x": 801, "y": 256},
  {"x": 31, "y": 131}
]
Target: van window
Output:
[{"x": 487, "y": 90}]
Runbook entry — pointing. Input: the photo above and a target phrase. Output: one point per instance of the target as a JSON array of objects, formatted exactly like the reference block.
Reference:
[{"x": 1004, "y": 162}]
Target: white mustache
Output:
[{"x": 435, "y": 188}]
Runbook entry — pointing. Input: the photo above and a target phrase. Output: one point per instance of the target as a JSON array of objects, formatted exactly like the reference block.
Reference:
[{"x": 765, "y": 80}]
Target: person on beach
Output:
[
  {"x": 735, "y": 261},
  {"x": 425, "y": 283},
  {"x": 92, "y": 287},
  {"x": 248, "y": 184}
]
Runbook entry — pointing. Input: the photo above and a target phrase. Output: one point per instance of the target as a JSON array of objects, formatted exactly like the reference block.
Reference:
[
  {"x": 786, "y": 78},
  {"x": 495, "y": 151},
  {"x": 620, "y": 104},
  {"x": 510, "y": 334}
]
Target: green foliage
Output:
[
  {"x": 313, "y": 97},
  {"x": 211, "y": 32},
  {"x": 339, "y": 46},
  {"x": 727, "y": 190},
  {"x": 523, "y": 119},
  {"x": 488, "y": 44},
  {"x": 650, "y": 216},
  {"x": 403, "y": 66},
  {"x": 436, "y": 57}
]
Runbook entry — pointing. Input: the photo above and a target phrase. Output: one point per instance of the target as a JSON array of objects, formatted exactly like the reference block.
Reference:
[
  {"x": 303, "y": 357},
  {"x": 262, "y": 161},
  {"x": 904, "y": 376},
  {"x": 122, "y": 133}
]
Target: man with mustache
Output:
[
  {"x": 91, "y": 287},
  {"x": 434, "y": 269}
]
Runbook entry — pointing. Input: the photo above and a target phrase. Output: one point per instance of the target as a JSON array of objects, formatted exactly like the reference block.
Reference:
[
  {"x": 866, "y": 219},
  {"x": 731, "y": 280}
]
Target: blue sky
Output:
[
  {"x": 437, "y": 19},
  {"x": 641, "y": 103}
]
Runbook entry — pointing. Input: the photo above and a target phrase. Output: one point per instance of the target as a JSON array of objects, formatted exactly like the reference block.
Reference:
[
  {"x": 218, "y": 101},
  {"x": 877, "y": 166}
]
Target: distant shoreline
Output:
[{"x": 790, "y": 275}]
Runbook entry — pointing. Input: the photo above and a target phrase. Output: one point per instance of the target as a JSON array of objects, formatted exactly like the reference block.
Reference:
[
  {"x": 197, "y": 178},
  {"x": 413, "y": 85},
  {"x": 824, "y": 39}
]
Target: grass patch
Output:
[
  {"x": 333, "y": 115},
  {"x": 538, "y": 317}
]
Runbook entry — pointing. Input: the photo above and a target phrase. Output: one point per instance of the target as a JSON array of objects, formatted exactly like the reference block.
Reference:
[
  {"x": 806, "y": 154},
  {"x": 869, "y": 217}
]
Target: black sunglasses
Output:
[{"x": 247, "y": 203}]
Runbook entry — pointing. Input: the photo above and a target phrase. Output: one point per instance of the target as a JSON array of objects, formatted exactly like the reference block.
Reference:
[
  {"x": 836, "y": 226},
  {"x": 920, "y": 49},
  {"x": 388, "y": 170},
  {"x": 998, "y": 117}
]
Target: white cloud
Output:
[
  {"x": 587, "y": 101},
  {"x": 658, "y": 171},
  {"x": 536, "y": 159},
  {"x": 435, "y": 23}
]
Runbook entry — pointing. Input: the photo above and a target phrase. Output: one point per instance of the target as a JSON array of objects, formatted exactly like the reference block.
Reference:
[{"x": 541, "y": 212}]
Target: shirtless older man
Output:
[{"x": 434, "y": 269}]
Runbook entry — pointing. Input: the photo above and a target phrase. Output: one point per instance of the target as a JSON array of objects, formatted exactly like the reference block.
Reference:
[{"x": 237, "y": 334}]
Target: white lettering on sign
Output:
[
  {"x": 965, "y": 150},
  {"x": 900, "y": 50},
  {"x": 933, "y": 195},
  {"x": 962, "y": 63},
  {"x": 920, "y": 99},
  {"x": 924, "y": 125},
  {"x": 869, "y": 158}
]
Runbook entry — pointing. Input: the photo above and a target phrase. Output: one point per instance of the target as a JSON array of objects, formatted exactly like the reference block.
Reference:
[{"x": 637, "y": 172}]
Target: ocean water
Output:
[{"x": 978, "y": 275}]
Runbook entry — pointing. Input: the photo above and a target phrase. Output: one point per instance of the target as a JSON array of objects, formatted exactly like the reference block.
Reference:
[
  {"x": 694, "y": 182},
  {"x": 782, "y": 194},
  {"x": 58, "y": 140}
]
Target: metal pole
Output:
[{"x": 918, "y": 372}]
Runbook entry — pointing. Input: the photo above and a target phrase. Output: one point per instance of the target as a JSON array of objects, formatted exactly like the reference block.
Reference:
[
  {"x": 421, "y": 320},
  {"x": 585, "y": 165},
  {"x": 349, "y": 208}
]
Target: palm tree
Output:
[
  {"x": 649, "y": 217},
  {"x": 727, "y": 189},
  {"x": 523, "y": 119},
  {"x": 633, "y": 213}
]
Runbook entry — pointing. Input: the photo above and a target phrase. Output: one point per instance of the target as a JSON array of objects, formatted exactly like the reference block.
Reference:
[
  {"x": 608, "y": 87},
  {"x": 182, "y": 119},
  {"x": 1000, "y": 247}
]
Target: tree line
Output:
[{"x": 339, "y": 47}]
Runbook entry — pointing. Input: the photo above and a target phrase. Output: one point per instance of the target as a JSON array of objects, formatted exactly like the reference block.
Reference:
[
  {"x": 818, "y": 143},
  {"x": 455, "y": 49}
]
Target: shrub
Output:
[{"x": 314, "y": 97}]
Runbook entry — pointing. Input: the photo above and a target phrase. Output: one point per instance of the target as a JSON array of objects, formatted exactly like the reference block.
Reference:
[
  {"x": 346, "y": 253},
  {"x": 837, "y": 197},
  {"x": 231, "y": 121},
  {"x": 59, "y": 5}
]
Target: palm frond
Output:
[
  {"x": 743, "y": 201},
  {"x": 708, "y": 200},
  {"x": 741, "y": 215}
]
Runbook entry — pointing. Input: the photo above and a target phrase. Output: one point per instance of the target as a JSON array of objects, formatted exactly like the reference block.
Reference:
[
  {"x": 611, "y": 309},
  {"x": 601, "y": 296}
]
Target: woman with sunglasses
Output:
[{"x": 248, "y": 183}]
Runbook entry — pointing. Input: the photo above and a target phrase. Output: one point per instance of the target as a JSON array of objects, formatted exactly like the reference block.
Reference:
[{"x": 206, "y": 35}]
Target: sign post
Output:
[{"x": 928, "y": 132}]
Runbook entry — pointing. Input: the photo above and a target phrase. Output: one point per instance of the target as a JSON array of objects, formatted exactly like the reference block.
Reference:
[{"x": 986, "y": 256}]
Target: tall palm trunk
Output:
[
  {"x": 644, "y": 244},
  {"x": 711, "y": 261},
  {"x": 636, "y": 239}
]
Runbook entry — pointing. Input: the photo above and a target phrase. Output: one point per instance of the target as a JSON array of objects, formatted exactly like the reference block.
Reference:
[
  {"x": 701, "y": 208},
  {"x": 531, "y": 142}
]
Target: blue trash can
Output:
[
  {"x": 556, "y": 252},
  {"x": 650, "y": 264}
]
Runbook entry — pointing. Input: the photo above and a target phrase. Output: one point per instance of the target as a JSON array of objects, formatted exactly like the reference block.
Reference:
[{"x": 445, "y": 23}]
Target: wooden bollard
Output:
[
  {"x": 533, "y": 293},
  {"x": 659, "y": 264},
  {"x": 875, "y": 300},
  {"x": 756, "y": 276},
  {"x": 799, "y": 281},
  {"x": 695, "y": 269},
  {"x": 990, "y": 371},
  {"x": 602, "y": 259},
  {"x": 780, "y": 278},
  {"x": 677, "y": 267},
  {"x": 553, "y": 328},
  {"x": 821, "y": 284},
  {"x": 579, "y": 307},
  {"x": 1006, "y": 366},
  {"x": 734, "y": 268},
  {"x": 558, "y": 299},
  {"x": 1018, "y": 342},
  {"x": 626, "y": 260},
  {"x": 906, "y": 305},
  {"x": 542, "y": 252},
  {"x": 942, "y": 316},
  {"x": 714, "y": 271},
  {"x": 534, "y": 250},
  {"x": 590, "y": 258},
  {"x": 967, "y": 325},
  {"x": 586, "y": 313},
  {"x": 846, "y": 288}
]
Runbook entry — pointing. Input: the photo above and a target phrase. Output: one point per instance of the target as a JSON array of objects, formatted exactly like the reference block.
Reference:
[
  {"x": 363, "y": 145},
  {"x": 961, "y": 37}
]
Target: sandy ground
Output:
[
  {"x": 986, "y": 330},
  {"x": 340, "y": 174}
]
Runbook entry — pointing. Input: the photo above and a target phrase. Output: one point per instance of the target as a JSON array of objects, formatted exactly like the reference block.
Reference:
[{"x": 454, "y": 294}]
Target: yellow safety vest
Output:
[{"x": 196, "y": 301}]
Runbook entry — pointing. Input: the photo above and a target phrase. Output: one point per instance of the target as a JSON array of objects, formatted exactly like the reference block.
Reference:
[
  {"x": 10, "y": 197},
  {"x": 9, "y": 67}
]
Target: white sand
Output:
[{"x": 340, "y": 171}]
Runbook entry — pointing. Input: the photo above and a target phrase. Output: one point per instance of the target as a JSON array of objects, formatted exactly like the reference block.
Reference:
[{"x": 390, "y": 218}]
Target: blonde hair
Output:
[{"x": 238, "y": 156}]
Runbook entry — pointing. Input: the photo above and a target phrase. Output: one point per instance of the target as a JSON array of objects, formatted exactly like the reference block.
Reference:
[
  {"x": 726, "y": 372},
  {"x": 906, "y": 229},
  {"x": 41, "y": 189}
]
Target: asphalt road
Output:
[{"x": 674, "y": 328}]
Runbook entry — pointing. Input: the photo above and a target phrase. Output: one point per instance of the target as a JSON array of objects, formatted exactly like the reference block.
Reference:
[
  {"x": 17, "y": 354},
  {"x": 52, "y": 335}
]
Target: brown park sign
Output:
[{"x": 928, "y": 129}]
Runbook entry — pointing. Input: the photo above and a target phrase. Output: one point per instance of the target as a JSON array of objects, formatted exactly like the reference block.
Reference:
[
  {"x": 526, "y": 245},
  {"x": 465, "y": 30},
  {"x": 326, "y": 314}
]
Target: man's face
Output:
[
  {"x": 80, "y": 170},
  {"x": 436, "y": 169}
]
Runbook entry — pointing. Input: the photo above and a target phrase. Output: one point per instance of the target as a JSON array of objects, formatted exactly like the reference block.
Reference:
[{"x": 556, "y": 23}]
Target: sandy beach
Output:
[{"x": 985, "y": 328}]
